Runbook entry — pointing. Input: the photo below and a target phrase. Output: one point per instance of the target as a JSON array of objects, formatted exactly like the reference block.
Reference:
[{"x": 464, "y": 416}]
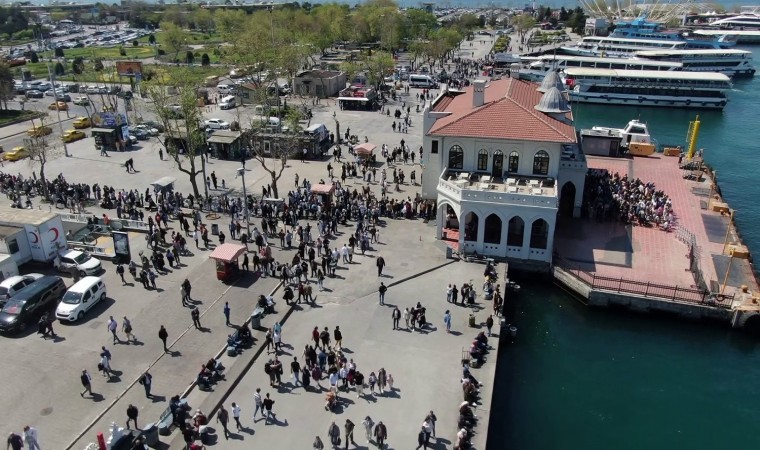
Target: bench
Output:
[{"x": 465, "y": 357}]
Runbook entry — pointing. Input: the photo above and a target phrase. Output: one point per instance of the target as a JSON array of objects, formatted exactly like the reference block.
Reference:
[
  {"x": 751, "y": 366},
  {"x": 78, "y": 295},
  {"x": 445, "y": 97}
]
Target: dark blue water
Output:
[{"x": 578, "y": 378}]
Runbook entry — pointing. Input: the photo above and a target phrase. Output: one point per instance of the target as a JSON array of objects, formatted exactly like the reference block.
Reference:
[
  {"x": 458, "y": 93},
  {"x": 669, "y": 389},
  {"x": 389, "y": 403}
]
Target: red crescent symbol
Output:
[
  {"x": 54, "y": 230},
  {"x": 36, "y": 238}
]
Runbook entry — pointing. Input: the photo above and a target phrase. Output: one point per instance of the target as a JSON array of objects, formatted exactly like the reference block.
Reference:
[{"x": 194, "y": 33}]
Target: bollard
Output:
[{"x": 101, "y": 442}]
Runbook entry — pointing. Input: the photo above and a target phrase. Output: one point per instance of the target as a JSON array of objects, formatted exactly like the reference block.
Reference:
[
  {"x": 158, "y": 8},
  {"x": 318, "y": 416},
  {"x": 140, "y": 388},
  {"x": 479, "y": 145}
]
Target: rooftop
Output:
[
  {"x": 507, "y": 113},
  {"x": 14, "y": 216}
]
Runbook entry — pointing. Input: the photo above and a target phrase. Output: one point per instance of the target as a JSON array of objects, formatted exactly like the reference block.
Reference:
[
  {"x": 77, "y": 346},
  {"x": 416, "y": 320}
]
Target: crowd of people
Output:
[{"x": 631, "y": 201}]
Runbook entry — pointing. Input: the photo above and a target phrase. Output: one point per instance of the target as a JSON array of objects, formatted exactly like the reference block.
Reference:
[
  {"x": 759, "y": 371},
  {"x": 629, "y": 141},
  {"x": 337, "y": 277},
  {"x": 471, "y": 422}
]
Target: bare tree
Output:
[{"x": 41, "y": 150}]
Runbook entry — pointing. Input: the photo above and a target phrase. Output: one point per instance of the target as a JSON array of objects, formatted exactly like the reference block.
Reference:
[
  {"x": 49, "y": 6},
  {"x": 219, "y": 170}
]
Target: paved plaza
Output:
[{"x": 45, "y": 373}]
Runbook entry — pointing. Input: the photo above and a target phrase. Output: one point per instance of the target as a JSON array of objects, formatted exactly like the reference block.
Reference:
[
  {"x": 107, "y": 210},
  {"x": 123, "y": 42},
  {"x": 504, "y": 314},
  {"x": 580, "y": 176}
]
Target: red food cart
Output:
[{"x": 226, "y": 257}]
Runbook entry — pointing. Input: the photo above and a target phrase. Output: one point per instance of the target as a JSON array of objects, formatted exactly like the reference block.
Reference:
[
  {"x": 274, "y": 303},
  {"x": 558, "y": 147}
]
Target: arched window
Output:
[
  {"x": 539, "y": 234},
  {"x": 483, "y": 159},
  {"x": 492, "y": 231},
  {"x": 541, "y": 163},
  {"x": 456, "y": 157},
  {"x": 513, "y": 162}
]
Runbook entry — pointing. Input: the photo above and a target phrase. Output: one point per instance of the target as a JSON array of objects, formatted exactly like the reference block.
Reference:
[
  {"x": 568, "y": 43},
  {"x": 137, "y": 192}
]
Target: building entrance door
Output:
[{"x": 498, "y": 164}]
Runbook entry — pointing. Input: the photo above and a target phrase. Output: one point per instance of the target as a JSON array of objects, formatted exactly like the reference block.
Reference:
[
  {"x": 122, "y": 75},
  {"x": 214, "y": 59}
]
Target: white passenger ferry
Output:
[
  {"x": 618, "y": 47},
  {"x": 731, "y": 62},
  {"x": 535, "y": 67},
  {"x": 647, "y": 88},
  {"x": 747, "y": 20}
]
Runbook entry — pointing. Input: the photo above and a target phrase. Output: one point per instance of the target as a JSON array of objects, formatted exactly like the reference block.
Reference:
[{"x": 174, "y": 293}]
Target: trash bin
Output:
[
  {"x": 472, "y": 320},
  {"x": 215, "y": 229},
  {"x": 256, "y": 319},
  {"x": 150, "y": 432},
  {"x": 449, "y": 252}
]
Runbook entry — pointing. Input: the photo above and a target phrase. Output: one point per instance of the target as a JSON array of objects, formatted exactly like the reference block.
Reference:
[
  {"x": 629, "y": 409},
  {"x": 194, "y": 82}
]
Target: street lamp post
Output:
[{"x": 241, "y": 172}]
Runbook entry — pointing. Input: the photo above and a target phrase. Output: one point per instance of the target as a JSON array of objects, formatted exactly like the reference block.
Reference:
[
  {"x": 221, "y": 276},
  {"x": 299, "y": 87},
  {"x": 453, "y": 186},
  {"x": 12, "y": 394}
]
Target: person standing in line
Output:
[
  {"x": 447, "y": 321},
  {"x": 395, "y": 315},
  {"x": 126, "y": 327},
  {"x": 268, "y": 403},
  {"x": 318, "y": 445},
  {"x": 359, "y": 382},
  {"x": 338, "y": 336},
  {"x": 390, "y": 382},
  {"x": 448, "y": 293},
  {"x": 368, "y": 424},
  {"x": 257, "y": 402},
  {"x": 86, "y": 382},
  {"x": 163, "y": 335},
  {"x": 489, "y": 324},
  {"x": 381, "y": 292},
  {"x": 380, "y": 262},
  {"x": 196, "y": 316},
  {"x": 31, "y": 438},
  {"x": 325, "y": 337},
  {"x": 236, "y": 415},
  {"x": 112, "y": 327},
  {"x": 333, "y": 432},
  {"x": 188, "y": 287},
  {"x": 349, "y": 429},
  {"x": 223, "y": 416},
  {"x": 227, "y": 312},
  {"x": 454, "y": 294},
  {"x": 132, "y": 413},
  {"x": 381, "y": 434},
  {"x": 146, "y": 380},
  {"x": 406, "y": 317},
  {"x": 195, "y": 238}
]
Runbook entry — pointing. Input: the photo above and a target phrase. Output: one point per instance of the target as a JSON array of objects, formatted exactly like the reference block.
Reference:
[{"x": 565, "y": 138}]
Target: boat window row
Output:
[
  {"x": 649, "y": 91},
  {"x": 696, "y": 83}
]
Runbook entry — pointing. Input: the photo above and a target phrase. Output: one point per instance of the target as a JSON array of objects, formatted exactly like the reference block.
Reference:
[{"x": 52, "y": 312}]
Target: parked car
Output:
[
  {"x": 82, "y": 122},
  {"x": 29, "y": 304},
  {"x": 140, "y": 134},
  {"x": 80, "y": 298},
  {"x": 13, "y": 285},
  {"x": 147, "y": 129},
  {"x": 217, "y": 124},
  {"x": 73, "y": 135},
  {"x": 16, "y": 154},
  {"x": 60, "y": 106},
  {"x": 82, "y": 101},
  {"x": 33, "y": 93},
  {"x": 153, "y": 124},
  {"x": 75, "y": 259},
  {"x": 63, "y": 97},
  {"x": 39, "y": 131}
]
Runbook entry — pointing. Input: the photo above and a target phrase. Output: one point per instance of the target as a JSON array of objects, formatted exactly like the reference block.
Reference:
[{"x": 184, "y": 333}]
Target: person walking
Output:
[
  {"x": 15, "y": 442},
  {"x": 368, "y": 424},
  {"x": 227, "y": 313},
  {"x": 112, "y": 327},
  {"x": 338, "y": 336},
  {"x": 333, "y": 432},
  {"x": 349, "y": 429},
  {"x": 421, "y": 442},
  {"x": 318, "y": 445},
  {"x": 146, "y": 380},
  {"x": 163, "y": 335},
  {"x": 396, "y": 316},
  {"x": 295, "y": 370},
  {"x": 86, "y": 382},
  {"x": 31, "y": 438},
  {"x": 120, "y": 271},
  {"x": 406, "y": 317},
  {"x": 196, "y": 316},
  {"x": 236, "y": 415},
  {"x": 188, "y": 287},
  {"x": 268, "y": 404},
  {"x": 258, "y": 405},
  {"x": 381, "y": 434},
  {"x": 380, "y": 262},
  {"x": 381, "y": 292},
  {"x": 132, "y": 415},
  {"x": 126, "y": 327},
  {"x": 223, "y": 416},
  {"x": 431, "y": 419},
  {"x": 489, "y": 324},
  {"x": 447, "y": 321}
]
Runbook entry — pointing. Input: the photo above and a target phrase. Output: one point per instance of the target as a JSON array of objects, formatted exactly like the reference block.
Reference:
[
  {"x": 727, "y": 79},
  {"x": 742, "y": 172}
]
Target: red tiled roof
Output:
[{"x": 508, "y": 113}]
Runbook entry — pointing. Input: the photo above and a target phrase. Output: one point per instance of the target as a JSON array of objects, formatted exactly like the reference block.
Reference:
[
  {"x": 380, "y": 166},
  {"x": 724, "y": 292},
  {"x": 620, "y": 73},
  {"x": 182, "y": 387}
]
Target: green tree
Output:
[
  {"x": 34, "y": 58},
  {"x": 152, "y": 39},
  {"x": 41, "y": 151},
  {"x": 577, "y": 20},
  {"x": 59, "y": 69},
  {"x": 12, "y": 20},
  {"x": 229, "y": 23},
  {"x": 174, "y": 15},
  {"x": 523, "y": 23},
  {"x": 77, "y": 66},
  {"x": 174, "y": 38},
  {"x": 6, "y": 84},
  {"x": 58, "y": 52},
  {"x": 377, "y": 66},
  {"x": 419, "y": 23},
  {"x": 203, "y": 19},
  {"x": 185, "y": 141}
]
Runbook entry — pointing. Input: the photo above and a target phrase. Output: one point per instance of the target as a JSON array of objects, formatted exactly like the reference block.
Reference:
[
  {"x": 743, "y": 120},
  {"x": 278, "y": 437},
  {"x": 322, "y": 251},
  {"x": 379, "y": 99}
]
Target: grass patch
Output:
[
  {"x": 196, "y": 37},
  {"x": 8, "y": 116},
  {"x": 109, "y": 75},
  {"x": 107, "y": 53}
]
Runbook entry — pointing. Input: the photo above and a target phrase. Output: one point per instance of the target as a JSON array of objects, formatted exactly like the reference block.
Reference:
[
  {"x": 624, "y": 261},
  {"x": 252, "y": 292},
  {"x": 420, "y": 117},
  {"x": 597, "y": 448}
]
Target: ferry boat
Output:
[
  {"x": 730, "y": 62},
  {"x": 641, "y": 28},
  {"x": 647, "y": 88},
  {"x": 747, "y": 20},
  {"x": 599, "y": 46},
  {"x": 535, "y": 67}
]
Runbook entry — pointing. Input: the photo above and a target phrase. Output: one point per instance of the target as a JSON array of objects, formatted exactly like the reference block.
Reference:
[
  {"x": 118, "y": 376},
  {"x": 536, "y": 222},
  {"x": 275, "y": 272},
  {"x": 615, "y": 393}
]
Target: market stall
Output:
[
  {"x": 364, "y": 152},
  {"x": 226, "y": 257}
]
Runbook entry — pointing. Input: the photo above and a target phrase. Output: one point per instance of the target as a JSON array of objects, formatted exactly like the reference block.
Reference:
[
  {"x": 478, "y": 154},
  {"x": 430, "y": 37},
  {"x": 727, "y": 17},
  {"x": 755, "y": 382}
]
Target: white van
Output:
[
  {"x": 228, "y": 102},
  {"x": 85, "y": 294},
  {"x": 225, "y": 89},
  {"x": 422, "y": 81},
  {"x": 319, "y": 130}
]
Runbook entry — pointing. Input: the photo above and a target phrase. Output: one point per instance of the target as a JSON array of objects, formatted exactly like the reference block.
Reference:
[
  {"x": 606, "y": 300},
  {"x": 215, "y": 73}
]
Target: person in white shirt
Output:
[
  {"x": 257, "y": 402},
  {"x": 236, "y": 415},
  {"x": 30, "y": 436}
]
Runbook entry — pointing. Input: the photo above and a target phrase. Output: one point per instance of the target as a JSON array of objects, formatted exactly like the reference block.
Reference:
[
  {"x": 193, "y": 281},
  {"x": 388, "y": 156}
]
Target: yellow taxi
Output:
[
  {"x": 73, "y": 135},
  {"x": 61, "y": 106},
  {"x": 82, "y": 122},
  {"x": 16, "y": 154},
  {"x": 39, "y": 131}
]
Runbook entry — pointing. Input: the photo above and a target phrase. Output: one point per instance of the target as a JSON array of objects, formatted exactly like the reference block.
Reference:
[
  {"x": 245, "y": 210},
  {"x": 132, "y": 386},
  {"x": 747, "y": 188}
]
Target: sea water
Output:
[{"x": 579, "y": 378}]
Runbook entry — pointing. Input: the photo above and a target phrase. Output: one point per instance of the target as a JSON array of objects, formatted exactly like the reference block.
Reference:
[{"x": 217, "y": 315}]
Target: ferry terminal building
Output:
[{"x": 502, "y": 160}]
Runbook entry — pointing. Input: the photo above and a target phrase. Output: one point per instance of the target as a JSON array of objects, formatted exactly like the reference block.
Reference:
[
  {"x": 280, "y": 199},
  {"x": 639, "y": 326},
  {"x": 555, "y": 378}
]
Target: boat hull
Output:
[{"x": 709, "y": 103}]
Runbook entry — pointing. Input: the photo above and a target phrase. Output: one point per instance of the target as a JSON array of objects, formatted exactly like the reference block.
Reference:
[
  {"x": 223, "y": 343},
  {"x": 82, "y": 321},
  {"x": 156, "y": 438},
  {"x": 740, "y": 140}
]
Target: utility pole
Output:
[{"x": 241, "y": 172}]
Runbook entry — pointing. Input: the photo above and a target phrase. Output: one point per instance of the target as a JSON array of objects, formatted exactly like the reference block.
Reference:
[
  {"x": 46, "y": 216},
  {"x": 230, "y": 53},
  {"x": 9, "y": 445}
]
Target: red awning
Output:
[
  {"x": 365, "y": 149},
  {"x": 322, "y": 188},
  {"x": 227, "y": 252}
]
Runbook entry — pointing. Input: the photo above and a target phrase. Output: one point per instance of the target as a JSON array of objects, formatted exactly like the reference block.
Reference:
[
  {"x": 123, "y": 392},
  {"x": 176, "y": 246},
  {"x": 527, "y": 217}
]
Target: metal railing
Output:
[{"x": 644, "y": 288}]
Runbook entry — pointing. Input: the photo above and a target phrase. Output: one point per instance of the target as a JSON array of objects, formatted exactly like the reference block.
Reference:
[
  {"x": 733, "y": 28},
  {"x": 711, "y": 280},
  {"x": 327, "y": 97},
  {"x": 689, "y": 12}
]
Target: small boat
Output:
[{"x": 634, "y": 139}]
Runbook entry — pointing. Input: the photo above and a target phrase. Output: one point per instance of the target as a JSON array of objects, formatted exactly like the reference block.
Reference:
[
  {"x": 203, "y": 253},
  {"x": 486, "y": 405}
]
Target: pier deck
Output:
[{"x": 650, "y": 255}]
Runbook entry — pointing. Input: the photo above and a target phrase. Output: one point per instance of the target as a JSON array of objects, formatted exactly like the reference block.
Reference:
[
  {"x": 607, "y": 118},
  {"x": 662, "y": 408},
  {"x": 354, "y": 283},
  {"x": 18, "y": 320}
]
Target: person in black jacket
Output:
[{"x": 132, "y": 415}]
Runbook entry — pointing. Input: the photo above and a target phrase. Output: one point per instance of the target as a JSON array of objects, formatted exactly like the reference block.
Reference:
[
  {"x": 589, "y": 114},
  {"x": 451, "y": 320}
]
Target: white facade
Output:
[{"x": 503, "y": 194}]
